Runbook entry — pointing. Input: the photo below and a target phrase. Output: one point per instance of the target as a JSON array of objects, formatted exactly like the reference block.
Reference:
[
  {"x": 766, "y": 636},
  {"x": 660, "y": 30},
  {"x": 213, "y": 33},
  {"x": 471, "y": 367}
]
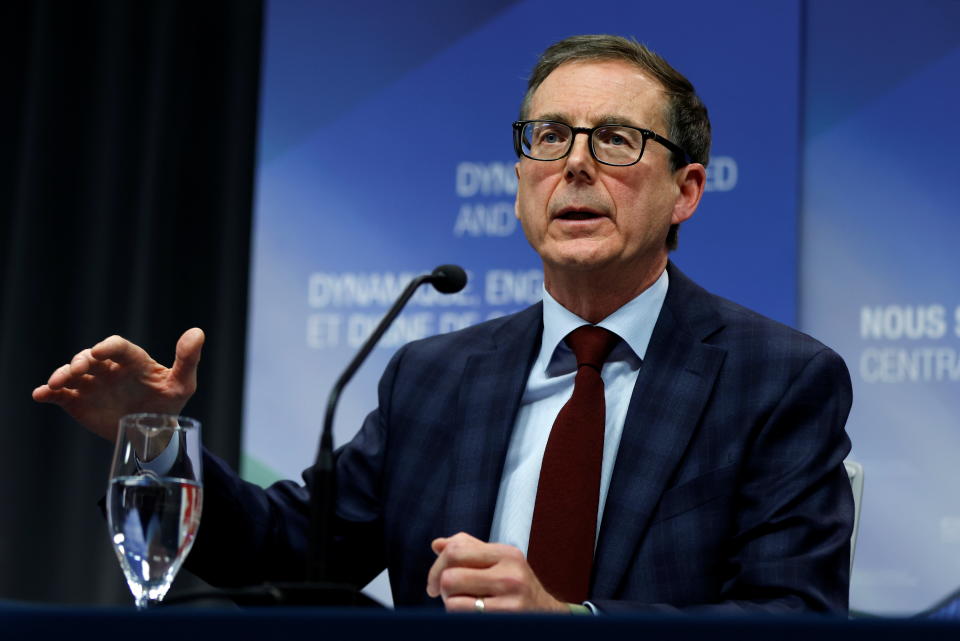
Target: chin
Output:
[
  {"x": 579, "y": 254},
  {"x": 578, "y": 262}
]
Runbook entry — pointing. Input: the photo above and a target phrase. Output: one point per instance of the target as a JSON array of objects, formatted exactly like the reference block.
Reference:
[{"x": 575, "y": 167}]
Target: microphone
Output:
[{"x": 446, "y": 279}]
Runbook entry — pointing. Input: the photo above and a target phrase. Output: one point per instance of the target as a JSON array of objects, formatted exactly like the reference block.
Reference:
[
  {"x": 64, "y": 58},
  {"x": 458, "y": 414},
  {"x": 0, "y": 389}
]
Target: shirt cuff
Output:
[{"x": 162, "y": 464}]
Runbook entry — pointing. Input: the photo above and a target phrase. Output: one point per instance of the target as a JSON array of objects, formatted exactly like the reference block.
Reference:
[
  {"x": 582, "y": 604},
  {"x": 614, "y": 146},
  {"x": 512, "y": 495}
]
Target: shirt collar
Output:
[{"x": 633, "y": 322}]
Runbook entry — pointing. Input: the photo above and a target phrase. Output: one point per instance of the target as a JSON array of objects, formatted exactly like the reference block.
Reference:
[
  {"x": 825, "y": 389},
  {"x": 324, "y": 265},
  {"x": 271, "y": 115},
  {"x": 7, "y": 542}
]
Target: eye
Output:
[
  {"x": 549, "y": 134},
  {"x": 618, "y": 137}
]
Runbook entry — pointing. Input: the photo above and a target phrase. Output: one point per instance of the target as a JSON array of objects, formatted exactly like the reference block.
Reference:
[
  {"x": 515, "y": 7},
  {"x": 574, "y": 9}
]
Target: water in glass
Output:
[{"x": 154, "y": 500}]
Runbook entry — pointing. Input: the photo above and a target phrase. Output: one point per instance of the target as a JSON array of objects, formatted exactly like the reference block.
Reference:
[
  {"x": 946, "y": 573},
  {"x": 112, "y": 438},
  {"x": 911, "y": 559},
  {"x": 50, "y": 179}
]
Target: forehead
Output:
[{"x": 588, "y": 92}]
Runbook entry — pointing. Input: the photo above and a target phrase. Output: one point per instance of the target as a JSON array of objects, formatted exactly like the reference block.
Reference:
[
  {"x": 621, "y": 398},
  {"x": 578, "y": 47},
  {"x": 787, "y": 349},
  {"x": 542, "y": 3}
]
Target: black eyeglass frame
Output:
[{"x": 645, "y": 134}]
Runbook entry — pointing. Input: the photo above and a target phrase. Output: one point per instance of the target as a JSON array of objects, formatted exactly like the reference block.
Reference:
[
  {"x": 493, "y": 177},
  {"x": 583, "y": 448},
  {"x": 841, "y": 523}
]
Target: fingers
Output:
[
  {"x": 508, "y": 586},
  {"x": 438, "y": 545},
  {"x": 458, "y": 550},
  {"x": 84, "y": 363},
  {"x": 468, "y": 603},
  {"x": 460, "y": 581},
  {"x": 60, "y": 377},
  {"x": 433, "y": 576},
  {"x": 80, "y": 363},
  {"x": 119, "y": 349},
  {"x": 467, "y": 569},
  {"x": 188, "y": 358},
  {"x": 62, "y": 397},
  {"x": 83, "y": 368},
  {"x": 78, "y": 371},
  {"x": 66, "y": 376},
  {"x": 115, "y": 357},
  {"x": 463, "y": 551},
  {"x": 43, "y": 394}
]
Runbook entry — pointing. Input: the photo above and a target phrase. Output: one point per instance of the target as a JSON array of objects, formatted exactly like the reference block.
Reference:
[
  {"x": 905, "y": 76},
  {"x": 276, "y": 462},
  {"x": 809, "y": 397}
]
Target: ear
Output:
[
  {"x": 691, "y": 181},
  {"x": 516, "y": 201}
]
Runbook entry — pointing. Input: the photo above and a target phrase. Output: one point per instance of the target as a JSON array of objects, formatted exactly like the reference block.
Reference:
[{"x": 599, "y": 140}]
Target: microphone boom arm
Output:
[{"x": 447, "y": 279}]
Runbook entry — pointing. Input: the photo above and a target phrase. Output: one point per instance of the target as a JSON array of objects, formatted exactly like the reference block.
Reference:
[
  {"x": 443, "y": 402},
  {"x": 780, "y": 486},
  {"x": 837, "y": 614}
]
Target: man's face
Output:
[{"x": 580, "y": 215}]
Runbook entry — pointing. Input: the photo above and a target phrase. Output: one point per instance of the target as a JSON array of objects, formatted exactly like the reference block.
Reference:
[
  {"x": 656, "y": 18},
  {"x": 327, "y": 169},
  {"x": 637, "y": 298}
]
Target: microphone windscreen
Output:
[{"x": 448, "y": 279}]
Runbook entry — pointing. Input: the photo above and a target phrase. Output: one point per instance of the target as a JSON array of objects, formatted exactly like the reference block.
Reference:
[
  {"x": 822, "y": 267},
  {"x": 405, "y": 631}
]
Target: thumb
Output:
[{"x": 188, "y": 358}]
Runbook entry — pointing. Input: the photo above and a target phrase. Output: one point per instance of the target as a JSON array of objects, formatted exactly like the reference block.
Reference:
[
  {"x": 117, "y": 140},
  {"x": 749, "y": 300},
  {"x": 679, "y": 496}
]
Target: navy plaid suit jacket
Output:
[{"x": 728, "y": 492}]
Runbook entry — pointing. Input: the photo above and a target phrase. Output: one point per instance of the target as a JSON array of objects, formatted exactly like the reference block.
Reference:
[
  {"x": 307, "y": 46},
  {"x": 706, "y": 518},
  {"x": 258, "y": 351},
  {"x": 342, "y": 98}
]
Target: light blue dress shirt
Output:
[{"x": 549, "y": 387}]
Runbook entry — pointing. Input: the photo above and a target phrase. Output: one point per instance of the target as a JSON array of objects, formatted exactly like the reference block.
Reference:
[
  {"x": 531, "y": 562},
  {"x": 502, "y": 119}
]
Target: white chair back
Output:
[{"x": 855, "y": 474}]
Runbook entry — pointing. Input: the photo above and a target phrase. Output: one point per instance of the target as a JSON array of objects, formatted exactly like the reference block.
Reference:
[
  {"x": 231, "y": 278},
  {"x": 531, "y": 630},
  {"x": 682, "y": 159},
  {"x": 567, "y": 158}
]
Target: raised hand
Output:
[{"x": 115, "y": 377}]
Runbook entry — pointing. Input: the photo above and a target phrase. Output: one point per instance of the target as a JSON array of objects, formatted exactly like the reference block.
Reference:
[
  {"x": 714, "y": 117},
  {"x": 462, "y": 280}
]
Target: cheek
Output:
[
  {"x": 534, "y": 190},
  {"x": 642, "y": 198},
  {"x": 533, "y": 173}
]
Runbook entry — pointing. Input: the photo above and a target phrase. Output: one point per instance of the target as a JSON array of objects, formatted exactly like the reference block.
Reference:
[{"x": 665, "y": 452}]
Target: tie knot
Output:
[{"x": 591, "y": 345}]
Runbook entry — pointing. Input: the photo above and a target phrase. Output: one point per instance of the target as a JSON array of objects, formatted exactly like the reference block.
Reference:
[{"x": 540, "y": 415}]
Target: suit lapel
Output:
[
  {"x": 673, "y": 386},
  {"x": 490, "y": 391}
]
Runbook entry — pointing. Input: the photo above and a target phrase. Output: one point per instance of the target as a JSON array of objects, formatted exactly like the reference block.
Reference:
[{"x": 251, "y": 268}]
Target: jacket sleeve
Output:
[{"x": 250, "y": 535}]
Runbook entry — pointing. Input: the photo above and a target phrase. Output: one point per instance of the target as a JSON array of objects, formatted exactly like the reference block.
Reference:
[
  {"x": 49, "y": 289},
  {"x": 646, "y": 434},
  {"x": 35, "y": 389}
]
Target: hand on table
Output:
[
  {"x": 115, "y": 377},
  {"x": 468, "y": 569}
]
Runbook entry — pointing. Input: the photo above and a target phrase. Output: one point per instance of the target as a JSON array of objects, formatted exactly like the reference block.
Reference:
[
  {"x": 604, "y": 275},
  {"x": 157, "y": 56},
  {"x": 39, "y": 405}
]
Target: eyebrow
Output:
[{"x": 601, "y": 119}]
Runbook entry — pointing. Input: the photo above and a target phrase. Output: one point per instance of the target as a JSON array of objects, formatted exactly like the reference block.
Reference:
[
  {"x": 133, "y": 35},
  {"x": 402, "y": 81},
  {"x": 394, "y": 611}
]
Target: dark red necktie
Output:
[{"x": 568, "y": 495}]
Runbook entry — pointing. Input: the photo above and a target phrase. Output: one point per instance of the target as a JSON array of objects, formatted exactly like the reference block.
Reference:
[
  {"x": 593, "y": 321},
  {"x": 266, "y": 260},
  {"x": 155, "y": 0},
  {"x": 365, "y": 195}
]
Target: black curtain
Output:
[{"x": 127, "y": 143}]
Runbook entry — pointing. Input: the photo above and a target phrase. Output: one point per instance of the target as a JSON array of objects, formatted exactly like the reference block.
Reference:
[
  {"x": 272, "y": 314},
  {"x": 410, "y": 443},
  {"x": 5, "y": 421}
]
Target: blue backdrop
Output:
[
  {"x": 879, "y": 273},
  {"x": 385, "y": 150}
]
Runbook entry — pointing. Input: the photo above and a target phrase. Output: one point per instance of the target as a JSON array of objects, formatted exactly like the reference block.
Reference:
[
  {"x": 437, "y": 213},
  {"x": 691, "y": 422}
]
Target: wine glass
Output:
[{"x": 154, "y": 500}]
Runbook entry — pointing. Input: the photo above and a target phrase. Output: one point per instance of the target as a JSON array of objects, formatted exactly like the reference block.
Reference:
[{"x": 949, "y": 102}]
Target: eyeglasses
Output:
[{"x": 617, "y": 145}]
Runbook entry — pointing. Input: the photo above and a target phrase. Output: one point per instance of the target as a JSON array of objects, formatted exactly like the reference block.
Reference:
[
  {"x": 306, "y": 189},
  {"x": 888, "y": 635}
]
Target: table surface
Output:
[{"x": 24, "y": 620}]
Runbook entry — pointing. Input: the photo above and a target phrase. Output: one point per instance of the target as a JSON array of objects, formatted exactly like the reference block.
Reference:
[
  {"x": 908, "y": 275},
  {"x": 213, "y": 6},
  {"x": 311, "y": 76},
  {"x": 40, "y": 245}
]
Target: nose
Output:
[{"x": 580, "y": 164}]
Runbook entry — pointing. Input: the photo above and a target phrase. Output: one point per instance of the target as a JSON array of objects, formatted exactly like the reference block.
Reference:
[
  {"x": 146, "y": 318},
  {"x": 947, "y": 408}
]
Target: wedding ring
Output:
[{"x": 479, "y": 605}]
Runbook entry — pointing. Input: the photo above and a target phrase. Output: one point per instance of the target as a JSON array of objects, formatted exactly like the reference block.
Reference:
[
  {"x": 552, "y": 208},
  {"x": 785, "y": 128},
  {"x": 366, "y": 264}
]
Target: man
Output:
[{"x": 715, "y": 482}]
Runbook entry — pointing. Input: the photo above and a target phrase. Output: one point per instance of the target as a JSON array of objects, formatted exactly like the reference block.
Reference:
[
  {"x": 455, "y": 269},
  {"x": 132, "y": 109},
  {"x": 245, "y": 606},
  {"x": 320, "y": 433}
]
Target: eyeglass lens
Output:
[{"x": 613, "y": 144}]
